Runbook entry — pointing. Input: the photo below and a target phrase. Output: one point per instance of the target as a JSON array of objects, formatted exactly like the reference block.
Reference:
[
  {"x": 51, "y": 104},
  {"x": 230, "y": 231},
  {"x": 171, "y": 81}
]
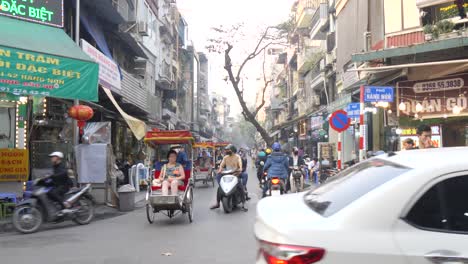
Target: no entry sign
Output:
[{"x": 339, "y": 121}]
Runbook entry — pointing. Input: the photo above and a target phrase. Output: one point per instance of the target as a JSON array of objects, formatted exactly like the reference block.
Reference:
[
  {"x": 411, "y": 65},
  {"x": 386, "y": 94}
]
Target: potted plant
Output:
[
  {"x": 428, "y": 32},
  {"x": 445, "y": 28}
]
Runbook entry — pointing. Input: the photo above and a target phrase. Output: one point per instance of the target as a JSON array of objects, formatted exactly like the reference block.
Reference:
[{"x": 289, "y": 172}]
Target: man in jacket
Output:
[
  {"x": 276, "y": 165},
  {"x": 60, "y": 181},
  {"x": 295, "y": 160}
]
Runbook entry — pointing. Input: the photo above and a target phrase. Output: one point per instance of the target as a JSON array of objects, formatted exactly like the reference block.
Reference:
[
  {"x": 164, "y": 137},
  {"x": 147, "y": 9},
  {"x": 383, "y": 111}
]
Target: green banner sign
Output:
[
  {"x": 48, "y": 12},
  {"x": 29, "y": 73}
]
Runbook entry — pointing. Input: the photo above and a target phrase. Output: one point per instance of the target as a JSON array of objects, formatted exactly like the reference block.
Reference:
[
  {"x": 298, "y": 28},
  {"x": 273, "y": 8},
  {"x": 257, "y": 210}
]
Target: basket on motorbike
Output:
[
  {"x": 203, "y": 173},
  {"x": 170, "y": 205}
]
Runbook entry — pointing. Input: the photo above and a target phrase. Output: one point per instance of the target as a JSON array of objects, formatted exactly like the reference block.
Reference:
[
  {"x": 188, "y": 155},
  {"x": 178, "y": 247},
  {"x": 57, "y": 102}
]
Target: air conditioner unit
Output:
[{"x": 143, "y": 28}]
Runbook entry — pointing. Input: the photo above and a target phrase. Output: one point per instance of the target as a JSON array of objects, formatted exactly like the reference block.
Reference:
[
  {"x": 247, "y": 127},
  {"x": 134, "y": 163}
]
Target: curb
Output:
[{"x": 102, "y": 212}]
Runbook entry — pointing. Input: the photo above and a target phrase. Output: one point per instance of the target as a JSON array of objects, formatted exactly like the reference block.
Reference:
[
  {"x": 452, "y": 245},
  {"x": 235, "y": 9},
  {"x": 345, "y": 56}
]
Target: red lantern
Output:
[{"x": 81, "y": 113}]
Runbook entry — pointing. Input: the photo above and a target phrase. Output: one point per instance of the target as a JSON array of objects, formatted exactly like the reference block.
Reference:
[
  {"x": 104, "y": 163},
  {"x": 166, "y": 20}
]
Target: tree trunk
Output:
[{"x": 248, "y": 115}]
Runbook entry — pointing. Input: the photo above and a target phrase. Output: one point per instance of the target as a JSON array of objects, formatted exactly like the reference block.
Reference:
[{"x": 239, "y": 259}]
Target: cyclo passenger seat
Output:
[{"x": 157, "y": 173}]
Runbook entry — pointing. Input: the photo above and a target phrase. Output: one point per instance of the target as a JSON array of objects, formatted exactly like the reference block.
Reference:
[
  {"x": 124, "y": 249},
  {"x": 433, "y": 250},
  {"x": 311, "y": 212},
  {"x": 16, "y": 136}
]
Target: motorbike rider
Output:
[
  {"x": 61, "y": 183},
  {"x": 261, "y": 157},
  {"x": 294, "y": 161},
  {"x": 244, "y": 175},
  {"x": 231, "y": 161},
  {"x": 277, "y": 165}
]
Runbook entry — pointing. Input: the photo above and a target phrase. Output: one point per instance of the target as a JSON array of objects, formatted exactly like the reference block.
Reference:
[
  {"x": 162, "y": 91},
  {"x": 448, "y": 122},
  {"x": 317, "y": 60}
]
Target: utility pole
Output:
[{"x": 76, "y": 133}]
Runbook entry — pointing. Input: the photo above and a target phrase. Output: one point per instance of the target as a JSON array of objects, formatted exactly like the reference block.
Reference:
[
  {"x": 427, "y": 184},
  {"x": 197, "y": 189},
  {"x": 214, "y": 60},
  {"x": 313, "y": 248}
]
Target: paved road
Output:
[{"x": 213, "y": 237}]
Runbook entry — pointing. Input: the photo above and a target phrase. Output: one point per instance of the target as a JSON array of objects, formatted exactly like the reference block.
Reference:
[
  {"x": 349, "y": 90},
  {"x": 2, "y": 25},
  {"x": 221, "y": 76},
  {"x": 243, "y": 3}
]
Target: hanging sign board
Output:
[
  {"x": 14, "y": 165},
  {"x": 353, "y": 110},
  {"x": 47, "y": 12},
  {"x": 378, "y": 94}
]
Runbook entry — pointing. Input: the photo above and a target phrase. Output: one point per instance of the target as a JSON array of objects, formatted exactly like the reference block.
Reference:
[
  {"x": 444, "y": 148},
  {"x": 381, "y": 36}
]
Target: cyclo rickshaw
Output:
[
  {"x": 169, "y": 205},
  {"x": 200, "y": 172}
]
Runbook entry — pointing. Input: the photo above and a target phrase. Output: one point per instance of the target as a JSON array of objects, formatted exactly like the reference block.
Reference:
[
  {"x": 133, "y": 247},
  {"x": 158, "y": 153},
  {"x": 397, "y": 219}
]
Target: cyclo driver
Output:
[{"x": 231, "y": 161}]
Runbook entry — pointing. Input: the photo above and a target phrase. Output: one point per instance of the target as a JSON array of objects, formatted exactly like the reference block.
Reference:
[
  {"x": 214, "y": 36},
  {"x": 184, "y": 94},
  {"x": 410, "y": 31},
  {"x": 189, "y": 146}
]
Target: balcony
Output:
[
  {"x": 166, "y": 78},
  {"x": 320, "y": 23},
  {"x": 304, "y": 13},
  {"x": 134, "y": 90},
  {"x": 166, "y": 31}
]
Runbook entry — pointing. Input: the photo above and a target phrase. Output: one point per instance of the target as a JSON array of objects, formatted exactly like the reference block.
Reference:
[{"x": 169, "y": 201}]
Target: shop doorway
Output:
[{"x": 7, "y": 127}]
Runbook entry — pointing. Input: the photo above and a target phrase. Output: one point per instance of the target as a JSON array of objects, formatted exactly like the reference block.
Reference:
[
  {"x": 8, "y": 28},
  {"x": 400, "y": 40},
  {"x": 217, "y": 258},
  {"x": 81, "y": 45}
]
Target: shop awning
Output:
[
  {"x": 137, "y": 126},
  {"x": 41, "y": 60},
  {"x": 411, "y": 50}
]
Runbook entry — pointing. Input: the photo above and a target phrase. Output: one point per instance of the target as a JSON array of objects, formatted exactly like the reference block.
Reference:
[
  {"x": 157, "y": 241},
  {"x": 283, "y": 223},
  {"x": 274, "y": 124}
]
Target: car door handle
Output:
[{"x": 446, "y": 257}]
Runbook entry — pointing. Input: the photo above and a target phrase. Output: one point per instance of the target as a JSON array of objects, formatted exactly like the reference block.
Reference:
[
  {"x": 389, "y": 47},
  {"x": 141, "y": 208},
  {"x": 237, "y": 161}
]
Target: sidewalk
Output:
[{"x": 101, "y": 212}]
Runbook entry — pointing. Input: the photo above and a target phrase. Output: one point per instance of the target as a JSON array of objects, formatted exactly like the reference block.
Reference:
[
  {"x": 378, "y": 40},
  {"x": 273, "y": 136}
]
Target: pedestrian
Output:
[
  {"x": 408, "y": 144},
  {"x": 424, "y": 137}
]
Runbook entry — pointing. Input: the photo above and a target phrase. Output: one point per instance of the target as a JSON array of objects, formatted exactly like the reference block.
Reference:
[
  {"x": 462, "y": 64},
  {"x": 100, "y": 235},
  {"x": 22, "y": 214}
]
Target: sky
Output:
[{"x": 202, "y": 15}]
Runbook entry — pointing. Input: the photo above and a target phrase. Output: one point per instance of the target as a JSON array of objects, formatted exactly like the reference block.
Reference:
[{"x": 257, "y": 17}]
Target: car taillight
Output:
[
  {"x": 275, "y": 181},
  {"x": 287, "y": 254}
]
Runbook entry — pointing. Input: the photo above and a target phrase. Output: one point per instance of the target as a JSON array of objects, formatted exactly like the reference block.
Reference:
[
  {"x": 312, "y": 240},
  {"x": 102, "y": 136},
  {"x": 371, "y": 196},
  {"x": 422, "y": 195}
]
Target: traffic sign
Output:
[
  {"x": 353, "y": 110},
  {"x": 339, "y": 121},
  {"x": 378, "y": 94}
]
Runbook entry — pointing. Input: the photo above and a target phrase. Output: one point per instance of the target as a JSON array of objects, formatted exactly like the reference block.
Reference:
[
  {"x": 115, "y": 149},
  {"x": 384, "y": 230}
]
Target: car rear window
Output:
[{"x": 351, "y": 184}]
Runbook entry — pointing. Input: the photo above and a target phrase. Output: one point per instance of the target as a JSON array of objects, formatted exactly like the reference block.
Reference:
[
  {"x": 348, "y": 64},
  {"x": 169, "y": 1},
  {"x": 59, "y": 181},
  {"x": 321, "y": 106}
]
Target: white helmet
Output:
[{"x": 56, "y": 154}]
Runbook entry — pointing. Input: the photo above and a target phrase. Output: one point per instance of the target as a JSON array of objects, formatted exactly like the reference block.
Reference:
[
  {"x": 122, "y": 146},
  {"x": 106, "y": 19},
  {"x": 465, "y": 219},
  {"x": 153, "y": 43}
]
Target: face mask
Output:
[
  {"x": 228, "y": 152},
  {"x": 296, "y": 152}
]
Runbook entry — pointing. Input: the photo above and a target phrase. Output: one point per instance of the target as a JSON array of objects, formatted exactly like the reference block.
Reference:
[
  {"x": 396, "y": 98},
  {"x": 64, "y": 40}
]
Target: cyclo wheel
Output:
[
  {"x": 189, "y": 204},
  {"x": 150, "y": 214}
]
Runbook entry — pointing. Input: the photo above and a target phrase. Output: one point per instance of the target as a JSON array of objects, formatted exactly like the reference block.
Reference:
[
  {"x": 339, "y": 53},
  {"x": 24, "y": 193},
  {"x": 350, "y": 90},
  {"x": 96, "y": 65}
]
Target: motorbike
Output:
[
  {"x": 260, "y": 173},
  {"x": 327, "y": 173},
  {"x": 276, "y": 186},
  {"x": 229, "y": 191},
  {"x": 30, "y": 214},
  {"x": 297, "y": 179}
]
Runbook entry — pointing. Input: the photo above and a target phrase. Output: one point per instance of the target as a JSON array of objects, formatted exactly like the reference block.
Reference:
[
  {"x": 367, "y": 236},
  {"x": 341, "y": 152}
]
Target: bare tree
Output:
[{"x": 271, "y": 36}]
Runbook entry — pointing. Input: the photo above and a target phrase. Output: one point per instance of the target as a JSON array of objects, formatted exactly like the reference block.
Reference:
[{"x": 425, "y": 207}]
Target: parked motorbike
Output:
[
  {"x": 296, "y": 179},
  {"x": 229, "y": 191},
  {"x": 327, "y": 173},
  {"x": 30, "y": 214}
]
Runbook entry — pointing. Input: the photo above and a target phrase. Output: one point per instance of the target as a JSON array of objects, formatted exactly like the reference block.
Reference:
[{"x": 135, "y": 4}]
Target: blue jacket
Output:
[
  {"x": 182, "y": 158},
  {"x": 277, "y": 165}
]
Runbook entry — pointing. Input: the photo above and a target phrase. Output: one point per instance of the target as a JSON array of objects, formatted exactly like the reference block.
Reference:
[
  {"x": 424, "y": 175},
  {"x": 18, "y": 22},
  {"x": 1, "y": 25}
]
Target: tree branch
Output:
[{"x": 267, "y": 83}]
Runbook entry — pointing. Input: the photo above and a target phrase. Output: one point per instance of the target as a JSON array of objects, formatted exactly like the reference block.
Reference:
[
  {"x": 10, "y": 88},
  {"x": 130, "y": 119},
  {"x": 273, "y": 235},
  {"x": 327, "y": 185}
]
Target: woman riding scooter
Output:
[{"x": 277, "y": 165}]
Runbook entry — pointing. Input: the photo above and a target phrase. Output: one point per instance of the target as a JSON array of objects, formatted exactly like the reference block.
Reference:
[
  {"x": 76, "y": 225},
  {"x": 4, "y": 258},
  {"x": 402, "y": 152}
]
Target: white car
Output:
[{"x": 407, "y": 207}]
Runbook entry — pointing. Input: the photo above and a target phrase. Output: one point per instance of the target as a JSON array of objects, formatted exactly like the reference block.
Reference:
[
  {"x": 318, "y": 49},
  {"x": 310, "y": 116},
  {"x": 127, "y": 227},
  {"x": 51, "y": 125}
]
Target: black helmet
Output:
[{"x": 231, "y": 147}]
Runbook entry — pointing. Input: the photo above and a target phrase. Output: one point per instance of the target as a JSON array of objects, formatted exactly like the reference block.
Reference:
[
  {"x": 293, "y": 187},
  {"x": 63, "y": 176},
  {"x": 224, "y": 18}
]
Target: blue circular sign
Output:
[{"x": 339, "y": 121}]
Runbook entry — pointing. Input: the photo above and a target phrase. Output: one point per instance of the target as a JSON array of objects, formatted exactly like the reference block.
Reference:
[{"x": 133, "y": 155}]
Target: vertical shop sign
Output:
[{"x": 14, "y": 165}]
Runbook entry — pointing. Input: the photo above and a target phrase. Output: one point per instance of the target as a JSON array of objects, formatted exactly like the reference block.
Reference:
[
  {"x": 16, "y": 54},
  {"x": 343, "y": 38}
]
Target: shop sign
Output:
[
  {"x": 31, "y": 73},
  {"x": 354, "y": 110},
  {"x": 109, "y": 75},
  {"x": 436, "y": 98},
  {"x": 47, "y": 12},
  {"x": 316, "y": 122},
  {"x": 378, "y": 94},
  {"x": 412, "y": 133},
  {"x": 14, "y": 165}
]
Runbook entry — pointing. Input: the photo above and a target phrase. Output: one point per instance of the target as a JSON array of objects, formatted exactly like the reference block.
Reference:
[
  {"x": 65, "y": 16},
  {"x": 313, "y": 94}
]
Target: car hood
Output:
[{"x": 280, "y": 217}]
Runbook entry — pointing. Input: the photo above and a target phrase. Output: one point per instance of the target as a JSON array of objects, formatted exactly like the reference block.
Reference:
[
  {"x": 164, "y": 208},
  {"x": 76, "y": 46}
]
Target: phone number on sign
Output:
[
  {"x": 18, "y": 91},
  {"x": 434, "y": 86}
]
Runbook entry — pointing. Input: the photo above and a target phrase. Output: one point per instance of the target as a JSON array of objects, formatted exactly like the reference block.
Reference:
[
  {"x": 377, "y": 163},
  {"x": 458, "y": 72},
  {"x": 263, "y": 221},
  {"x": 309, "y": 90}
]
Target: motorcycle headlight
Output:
[
  {"x": 230, "y": 179},
  {"x": 262, "y": 163}
]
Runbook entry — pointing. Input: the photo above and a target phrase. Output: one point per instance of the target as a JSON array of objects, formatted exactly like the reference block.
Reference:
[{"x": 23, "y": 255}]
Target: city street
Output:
[{"x": 213, "y": 237}]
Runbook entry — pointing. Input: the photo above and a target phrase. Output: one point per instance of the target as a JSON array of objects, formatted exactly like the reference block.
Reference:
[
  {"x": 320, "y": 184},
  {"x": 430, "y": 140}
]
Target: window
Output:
[
  {"x": 443, "y": 207},
  {"x": 352, "y": 184}
]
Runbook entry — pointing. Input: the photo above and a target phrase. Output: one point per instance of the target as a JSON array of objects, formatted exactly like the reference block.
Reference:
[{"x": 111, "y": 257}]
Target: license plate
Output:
[{"x": 275, "y": 192}]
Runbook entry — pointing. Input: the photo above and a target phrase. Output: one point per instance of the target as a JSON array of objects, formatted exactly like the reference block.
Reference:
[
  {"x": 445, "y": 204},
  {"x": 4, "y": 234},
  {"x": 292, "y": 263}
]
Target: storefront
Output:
[
  {"x": 440, "y": 103},
  {"x": 40, "y": 69}
]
